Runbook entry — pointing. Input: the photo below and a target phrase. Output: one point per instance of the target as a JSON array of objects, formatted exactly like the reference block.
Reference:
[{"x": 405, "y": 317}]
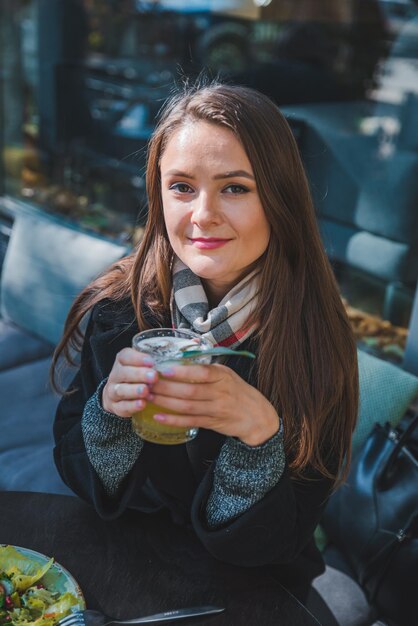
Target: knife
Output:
[{"x": 169, "y": 616}]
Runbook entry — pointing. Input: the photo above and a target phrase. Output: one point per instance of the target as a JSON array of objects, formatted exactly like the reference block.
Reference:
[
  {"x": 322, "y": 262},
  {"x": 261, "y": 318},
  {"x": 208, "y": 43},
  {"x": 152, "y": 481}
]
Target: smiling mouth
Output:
[
  {"x": 207, "y": 239},
  {"x": 208, "y": 242}
]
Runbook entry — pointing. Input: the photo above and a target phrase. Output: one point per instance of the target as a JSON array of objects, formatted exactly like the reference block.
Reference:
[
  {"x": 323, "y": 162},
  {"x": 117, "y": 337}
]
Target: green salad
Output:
[{"x": 24, "y": 599}]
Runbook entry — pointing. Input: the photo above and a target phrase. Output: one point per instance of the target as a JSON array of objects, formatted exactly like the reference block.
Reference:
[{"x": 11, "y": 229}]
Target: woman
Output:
[{"x": 230, "y": 219}]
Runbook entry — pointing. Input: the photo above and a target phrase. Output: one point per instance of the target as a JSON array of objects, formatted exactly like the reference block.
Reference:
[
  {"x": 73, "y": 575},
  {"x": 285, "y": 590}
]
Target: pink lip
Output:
[{"x": 208, "y": 243}]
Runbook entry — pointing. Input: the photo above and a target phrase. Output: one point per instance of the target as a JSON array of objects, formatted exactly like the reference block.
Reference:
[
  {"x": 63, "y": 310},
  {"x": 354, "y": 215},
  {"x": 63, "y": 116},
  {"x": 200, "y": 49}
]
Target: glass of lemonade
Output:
[{"x": 166, "y": 345}]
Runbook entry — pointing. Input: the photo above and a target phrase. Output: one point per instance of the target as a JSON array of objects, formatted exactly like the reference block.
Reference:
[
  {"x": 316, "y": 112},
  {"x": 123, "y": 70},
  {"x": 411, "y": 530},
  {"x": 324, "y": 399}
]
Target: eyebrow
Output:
[{"x": 232, "y": 174}]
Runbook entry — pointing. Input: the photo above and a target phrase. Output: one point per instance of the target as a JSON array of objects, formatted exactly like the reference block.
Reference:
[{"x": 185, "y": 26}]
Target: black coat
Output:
[{"x": 277, "y": 531}]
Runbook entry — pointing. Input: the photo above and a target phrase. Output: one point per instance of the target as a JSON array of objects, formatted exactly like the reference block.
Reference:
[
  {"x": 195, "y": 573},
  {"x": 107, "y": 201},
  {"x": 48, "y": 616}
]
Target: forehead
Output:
[{"x": 198, "y": 141}]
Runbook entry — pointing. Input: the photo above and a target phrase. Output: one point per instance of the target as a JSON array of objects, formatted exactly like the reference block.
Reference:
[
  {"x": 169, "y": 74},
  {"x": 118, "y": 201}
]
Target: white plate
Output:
[{"x": 57, "y": 578}]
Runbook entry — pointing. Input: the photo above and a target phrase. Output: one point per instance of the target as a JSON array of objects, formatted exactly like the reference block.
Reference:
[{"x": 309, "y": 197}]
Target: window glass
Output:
[{"x": 83, "y": 80}]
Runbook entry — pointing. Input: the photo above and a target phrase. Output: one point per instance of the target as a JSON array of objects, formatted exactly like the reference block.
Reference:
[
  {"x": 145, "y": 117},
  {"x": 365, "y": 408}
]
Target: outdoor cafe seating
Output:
[{"x": 46, "y": 265}]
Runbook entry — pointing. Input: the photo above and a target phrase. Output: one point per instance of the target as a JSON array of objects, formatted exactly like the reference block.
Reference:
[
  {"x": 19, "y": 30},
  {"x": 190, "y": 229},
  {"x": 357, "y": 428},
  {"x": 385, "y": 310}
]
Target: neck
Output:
[
  {"x": 216, "y": 290},
  {"x": 214, "y": 293}
]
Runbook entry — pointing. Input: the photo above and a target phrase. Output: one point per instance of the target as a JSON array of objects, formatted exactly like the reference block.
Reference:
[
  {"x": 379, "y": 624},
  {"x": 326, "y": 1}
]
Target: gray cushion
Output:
[
  {"x": 46, "y": 265},
  {"x": 386, "y": 391},
  {"x": 18, "y": 346},
  {"x": 26, "y": 417},
  {"x": 343, "y": 597},
  {"x": 408, "y": 136},
  {"x": 386, "y": 259},
  {"x": 406, "y": 43},
  {"x": 387, "y": 203},
  {"x": 336, "y": 237},
  {"x": 334, "y": 188},
  {"x": 367, "y": 205}
]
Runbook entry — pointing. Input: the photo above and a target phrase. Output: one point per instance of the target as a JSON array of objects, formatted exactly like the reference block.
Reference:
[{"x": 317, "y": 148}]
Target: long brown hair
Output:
[{"x": 307, "y": 362}]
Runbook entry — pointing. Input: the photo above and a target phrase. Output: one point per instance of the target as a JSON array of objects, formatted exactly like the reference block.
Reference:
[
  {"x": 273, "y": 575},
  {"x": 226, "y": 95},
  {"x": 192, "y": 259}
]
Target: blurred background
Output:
[{"x": 81, "y": 82}]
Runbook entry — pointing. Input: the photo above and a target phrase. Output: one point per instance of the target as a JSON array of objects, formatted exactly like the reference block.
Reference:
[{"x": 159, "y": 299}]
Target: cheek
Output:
[
  {"x": 266, "y": 233},
  {"x": 172, "y": 218},
  {"x": 176, "y": 226},
  {"x": 257, "y": 233}
]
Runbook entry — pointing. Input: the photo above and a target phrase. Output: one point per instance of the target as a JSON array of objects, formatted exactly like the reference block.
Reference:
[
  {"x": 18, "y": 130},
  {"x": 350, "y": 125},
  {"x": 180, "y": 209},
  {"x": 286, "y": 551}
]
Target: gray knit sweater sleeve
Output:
[
  {"x": 242, "y": 476},
  {"x": 111, "y": 444}
]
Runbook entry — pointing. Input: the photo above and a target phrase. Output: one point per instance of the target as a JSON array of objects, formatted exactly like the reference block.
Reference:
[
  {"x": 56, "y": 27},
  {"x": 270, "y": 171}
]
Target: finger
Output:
[
  {"x": 185, "y": 421},
  {"x": 191, "y": 373},
  {"x": 128, "y": 374},
  {"x": 188, "y": 391},
  {"x": 126, "y": 391},
  {"x": 129, "y": 356},
  {"x": 182, "y": 406},
  {"x": 126, "y": 408}
]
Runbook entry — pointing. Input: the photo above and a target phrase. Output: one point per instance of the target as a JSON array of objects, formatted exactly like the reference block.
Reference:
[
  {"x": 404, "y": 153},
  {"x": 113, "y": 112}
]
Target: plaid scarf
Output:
[{"x": 225, "y": 325}]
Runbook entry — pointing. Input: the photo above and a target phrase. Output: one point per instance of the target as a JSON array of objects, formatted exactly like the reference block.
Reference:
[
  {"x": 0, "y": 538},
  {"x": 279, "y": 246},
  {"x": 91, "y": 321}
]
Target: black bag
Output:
[{"x": 373, "y": 520}]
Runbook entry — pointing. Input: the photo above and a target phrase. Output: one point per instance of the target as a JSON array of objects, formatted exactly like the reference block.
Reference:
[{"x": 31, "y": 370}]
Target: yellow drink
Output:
[
  {"x": 165, "y": 346},
  {"x": 147, "y": 428}
]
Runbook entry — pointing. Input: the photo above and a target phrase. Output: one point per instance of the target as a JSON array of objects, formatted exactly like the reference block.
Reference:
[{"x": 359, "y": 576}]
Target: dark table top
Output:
[{"x": 141, "y": 564}]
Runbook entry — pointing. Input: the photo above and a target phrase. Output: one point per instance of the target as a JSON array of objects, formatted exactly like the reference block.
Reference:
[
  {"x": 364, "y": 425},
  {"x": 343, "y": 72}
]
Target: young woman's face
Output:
[{"x": 212, "y": 210}]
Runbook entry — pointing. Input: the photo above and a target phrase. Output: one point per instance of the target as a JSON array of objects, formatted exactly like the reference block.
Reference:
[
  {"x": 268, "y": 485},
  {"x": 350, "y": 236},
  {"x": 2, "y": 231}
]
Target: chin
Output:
[
  {"x": 207, "y": 274},
  {"x": 205, "y": 267}
]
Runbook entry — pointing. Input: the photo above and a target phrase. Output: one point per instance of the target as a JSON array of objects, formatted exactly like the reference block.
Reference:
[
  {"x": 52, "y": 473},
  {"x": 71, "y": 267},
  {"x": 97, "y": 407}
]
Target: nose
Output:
[{"x": 206, "y": 210}]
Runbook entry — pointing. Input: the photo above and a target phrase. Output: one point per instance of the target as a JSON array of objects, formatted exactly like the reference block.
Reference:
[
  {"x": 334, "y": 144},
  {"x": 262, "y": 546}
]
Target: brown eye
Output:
[
  {"x": 236, "y": 189},
  {"x": 181, "y": 188}
]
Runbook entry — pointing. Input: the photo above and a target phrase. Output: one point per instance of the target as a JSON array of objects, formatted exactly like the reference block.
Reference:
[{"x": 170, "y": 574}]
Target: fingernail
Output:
[
  {"x": 140, "y": 389},
  {"x": 139, "y": 404},
  {"x": 159, "y": 417},
  {"x": 167, "y": 371},
  {"x": 151, "y": 375},
  {"x": 148, "y": 360}
]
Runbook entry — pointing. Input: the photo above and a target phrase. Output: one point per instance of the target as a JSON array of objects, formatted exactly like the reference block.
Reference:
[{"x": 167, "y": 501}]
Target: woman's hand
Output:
[
  {"x": 214, "y": 397},
  {"x": 128, "y": 386}
]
